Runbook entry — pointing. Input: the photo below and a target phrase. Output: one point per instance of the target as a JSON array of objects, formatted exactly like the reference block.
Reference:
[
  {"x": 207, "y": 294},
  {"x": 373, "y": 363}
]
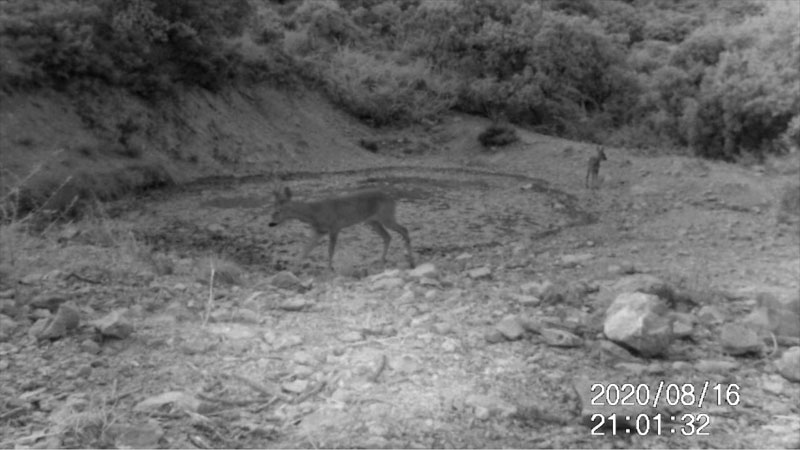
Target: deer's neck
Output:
[{"x": 303, "y": 212}]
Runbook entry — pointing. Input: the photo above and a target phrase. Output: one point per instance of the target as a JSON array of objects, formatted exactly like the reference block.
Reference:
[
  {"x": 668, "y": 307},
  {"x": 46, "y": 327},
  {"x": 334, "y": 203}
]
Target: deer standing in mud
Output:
[
  {"x": 593, "y": 167},
  {"x": 331, "y": 215}
]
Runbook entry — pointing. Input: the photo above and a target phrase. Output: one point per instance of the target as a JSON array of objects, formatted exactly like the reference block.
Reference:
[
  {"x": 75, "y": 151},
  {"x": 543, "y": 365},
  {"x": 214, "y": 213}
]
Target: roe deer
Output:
[
  {"x": 593, "y": 167},
  {"x": 331, "y": 215}
]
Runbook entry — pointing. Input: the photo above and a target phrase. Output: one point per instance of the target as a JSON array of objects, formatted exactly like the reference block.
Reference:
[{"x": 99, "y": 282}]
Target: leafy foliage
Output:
[{"x": 148, "y": 46}]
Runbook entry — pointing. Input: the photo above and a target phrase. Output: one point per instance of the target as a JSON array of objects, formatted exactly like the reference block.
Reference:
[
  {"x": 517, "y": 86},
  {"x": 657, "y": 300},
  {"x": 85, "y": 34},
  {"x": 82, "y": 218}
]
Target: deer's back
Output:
[{"x": 353, "y": 208}]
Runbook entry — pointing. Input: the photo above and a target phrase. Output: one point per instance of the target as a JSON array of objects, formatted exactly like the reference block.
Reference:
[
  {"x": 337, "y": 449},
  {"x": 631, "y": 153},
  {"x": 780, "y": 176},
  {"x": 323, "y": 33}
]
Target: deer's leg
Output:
[
  {"x": 331, "y": 247},
  {"x": 384, "y": 235},
  {"x": 393, "y": 225}
]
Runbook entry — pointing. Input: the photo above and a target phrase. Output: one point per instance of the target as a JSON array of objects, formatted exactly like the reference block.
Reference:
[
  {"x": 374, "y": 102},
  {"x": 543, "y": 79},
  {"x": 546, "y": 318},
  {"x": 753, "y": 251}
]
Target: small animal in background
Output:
[
  {"x": 593, "y": 167},
  {"x": 329, "y": 216}
]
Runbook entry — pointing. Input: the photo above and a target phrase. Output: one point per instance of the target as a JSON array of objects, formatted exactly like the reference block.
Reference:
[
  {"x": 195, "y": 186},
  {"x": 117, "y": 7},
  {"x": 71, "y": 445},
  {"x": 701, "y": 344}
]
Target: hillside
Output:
[
  {"x": 366, "y": 357},
  {"x": 147, "y": 302}
]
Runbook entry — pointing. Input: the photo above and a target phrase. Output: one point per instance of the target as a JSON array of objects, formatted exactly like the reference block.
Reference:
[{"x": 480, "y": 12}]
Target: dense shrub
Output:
[
  {"x": 145, "y": 45},
  {"x": 381, "y": 91}
]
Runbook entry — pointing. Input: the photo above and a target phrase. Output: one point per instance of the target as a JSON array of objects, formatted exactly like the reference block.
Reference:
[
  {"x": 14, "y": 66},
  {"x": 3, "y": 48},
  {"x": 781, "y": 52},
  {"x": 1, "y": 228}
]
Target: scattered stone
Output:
[
  {"x": 66, "y": 319},
  {"x": 616, "y": 352},
  {"x": 488, "y": 406},
  {"x": 789, "y": 364},
  {"x": 776, "y": 316},
  {"x": 49, "y": 302},
  {"x": 32, "y": 278},
  {"x": 622, "y": 268},
  {"x": 773, "y": 383},
  {"x": 711, "y": 314},
  {"x": 639, "y": 321},
  {"x": 426, "y": 270},
  {"x": 715, "y": 366},
  {"x": 181, "y": 400},
  {"x": 536, "y": 289},
  {"x": 450, "y": 345},
  {"x": 114, "y": 325},
  {"x": 493, "y": 336},
  {"x": 442, "y": 328},
  {"x": 296, "y": 303},
  {"x": 387, "y": 283},
  {"x": 683, "y": 324},
  {"x": 304, "y": 358},
  {"x": 286, "y": 280},
  {"x": 295, "y": 387},
  {"x": 7, "y": 327},
  {"x": 573, "y": 260},
  {"x": 7, "y": 294},
  {"x": 479, "y": 273},
  {"x": 284, "y": 341},
  {"x": 247, "y": 315},
  {"x": 351, "y": 336},
  {"x": 738, "y": 340},
  {"x": 572, "y": 293},
  {"x": 90, "y": 346},
  {"x": 560, "y": 338},
  {"x": 9, "y": 307},
  {"x": 36, "y": 329},
  {"x": 140, "y": 435},
  {"x": 405, "y": 364},
  {"x": 511, "y": 328},
  {"x": 41, "y": 313},
  {"x": 526, "y": 300}
]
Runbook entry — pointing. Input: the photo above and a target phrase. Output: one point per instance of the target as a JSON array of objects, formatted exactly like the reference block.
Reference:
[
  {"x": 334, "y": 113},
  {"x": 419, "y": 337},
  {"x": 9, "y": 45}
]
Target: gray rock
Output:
[
  {"x": 789, "y": 364},
  {"x": 351, "y": 336},
  {"x": 286, "y": 280},
  {"x": 49, "y": 302},
  {"x": 572, "y": 260},
  {"x": 66, "y": 319},
  {"x": 639, "y": 321},
  {"x": 295, "y": 387},
  {"x": 479, "y": 273},
  {"x": 536, "y": 288},
  {"x": 114, "y": 324},
  {"x": 297, "y": 303},
  {"x": 387, "y": 283},
  {"x": 560, "y": 338},
  {"x": 711, "y": 314},
  {"x": 511, "y": 328},
  {"x": 426, "y": 270},
  {"x": 737, "y": 339}
]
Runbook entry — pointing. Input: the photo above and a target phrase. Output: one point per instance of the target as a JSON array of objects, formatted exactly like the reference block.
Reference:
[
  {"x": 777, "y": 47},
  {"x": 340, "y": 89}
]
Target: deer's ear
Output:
[{"x": 287, "y": 193}]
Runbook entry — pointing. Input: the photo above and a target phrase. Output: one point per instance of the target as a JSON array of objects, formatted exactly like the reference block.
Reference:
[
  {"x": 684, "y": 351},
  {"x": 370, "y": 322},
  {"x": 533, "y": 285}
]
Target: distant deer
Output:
[
  {"x": 331, "y": 215},
  {"x": 593, "y": 167}
]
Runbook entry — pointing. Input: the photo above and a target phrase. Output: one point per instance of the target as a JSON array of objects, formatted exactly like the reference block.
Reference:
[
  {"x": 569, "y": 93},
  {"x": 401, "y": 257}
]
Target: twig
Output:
[{"x": 210, "y": 293}]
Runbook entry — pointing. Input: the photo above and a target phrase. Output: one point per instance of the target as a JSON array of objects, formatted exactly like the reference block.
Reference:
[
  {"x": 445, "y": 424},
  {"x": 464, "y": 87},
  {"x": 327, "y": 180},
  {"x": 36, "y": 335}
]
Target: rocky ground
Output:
[{"x": 538, "y": 309}]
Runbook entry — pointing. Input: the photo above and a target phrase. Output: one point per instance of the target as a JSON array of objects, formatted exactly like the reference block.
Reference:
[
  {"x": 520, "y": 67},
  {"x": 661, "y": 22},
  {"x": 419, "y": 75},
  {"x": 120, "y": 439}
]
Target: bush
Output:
[
  {"x": 146, "y": 46},
  {"x": 381, "y": 91},
  {"x": 498, "y": 135}
]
